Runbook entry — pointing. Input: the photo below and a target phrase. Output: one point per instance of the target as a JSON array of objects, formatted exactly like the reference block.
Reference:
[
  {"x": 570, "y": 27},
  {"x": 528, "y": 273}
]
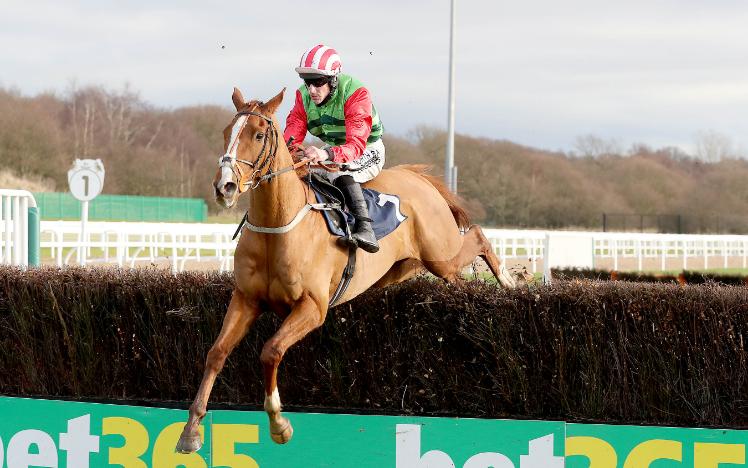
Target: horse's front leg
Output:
[
  {"x": 305, "y": 316},
  {"x": 239, "y": 317}
]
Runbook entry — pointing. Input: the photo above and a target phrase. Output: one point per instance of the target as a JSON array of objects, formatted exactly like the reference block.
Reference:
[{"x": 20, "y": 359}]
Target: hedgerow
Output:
[{"x": 574, "y": 350}]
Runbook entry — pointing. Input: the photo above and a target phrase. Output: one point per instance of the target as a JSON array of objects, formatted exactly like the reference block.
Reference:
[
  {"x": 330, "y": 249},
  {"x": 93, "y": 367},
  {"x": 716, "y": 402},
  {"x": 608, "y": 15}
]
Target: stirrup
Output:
[
  {"x": 371, "y": 247},
  {"x": 347, "y": 242}
]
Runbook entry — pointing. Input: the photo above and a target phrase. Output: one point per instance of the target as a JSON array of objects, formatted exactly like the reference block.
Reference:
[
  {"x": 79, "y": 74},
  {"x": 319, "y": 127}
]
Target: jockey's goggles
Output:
[{"x": 317, "y": 82}]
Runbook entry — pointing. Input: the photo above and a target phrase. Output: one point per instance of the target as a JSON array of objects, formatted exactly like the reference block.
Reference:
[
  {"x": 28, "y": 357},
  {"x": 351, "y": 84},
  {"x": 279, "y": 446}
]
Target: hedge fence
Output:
[
  {"x": 575, "y": 350},
  {"x": 684, "y": 277}
]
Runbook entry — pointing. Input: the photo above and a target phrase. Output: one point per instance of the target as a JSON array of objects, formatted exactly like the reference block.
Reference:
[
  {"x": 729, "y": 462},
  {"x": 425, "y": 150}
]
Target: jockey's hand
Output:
[
  {"x": 316, "y": 154},
  {"x": 296, "y": 151}
]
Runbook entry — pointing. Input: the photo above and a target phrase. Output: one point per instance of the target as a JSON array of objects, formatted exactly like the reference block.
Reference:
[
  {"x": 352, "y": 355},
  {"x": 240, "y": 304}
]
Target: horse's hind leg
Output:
[
  {"x": 487, "y": 254},
  {"x": 402, "y": 270},
  {"x": 305, "y": 316},
  {"x": 474, "y": 244},
  {"x": 239, "y": 317}
]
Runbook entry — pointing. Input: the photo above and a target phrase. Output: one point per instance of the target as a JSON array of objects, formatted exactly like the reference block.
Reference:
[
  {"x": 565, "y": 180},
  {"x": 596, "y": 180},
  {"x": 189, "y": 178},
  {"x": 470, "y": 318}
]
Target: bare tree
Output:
[
  {"x": 120, "y": 109},
  {"x": 675, "y": 153},
  {"x": 713, "y": 147},
  {"x": 155, "y": 134},
  {"x": 592, "y": 146},
  {"x": 82, "y": 107}
]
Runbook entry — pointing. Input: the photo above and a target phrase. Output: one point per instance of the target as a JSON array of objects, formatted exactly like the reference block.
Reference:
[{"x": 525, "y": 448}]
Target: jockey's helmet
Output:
[{"x": 320, "y": 61}]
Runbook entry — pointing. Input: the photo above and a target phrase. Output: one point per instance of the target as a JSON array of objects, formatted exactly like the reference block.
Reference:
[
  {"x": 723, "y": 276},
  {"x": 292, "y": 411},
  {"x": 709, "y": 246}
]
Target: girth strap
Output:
[{"x": 350, "y": 267}]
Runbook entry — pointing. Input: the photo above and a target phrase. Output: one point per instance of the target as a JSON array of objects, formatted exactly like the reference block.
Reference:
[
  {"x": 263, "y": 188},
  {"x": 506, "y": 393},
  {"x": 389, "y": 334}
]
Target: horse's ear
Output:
[
  {"x": 238, "y": 99},
  {"x": 273, "y": 104}
]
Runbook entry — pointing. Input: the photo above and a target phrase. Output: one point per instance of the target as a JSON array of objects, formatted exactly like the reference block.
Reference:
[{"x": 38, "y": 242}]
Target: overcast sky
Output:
[{"x": 539, "y": 73}]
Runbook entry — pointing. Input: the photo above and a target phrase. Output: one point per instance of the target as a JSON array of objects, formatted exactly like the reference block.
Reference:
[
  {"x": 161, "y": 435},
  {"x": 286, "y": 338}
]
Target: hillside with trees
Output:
[{"x": 173, "y": 153}]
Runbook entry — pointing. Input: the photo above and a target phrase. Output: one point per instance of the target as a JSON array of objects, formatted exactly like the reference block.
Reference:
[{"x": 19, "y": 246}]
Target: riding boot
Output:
[{"x": 363, "y": 233}]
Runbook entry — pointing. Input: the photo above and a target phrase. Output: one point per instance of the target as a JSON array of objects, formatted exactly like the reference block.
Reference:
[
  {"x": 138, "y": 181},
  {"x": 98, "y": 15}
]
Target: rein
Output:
[
  {"x": 260, "y": 163},
  {"x": 257, "y": 178},
  {"x": 272, "y": 148}
]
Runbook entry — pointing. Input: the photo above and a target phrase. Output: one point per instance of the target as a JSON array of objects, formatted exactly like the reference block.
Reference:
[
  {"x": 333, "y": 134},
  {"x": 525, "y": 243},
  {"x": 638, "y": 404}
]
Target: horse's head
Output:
[{"x": 250, "y": 142}]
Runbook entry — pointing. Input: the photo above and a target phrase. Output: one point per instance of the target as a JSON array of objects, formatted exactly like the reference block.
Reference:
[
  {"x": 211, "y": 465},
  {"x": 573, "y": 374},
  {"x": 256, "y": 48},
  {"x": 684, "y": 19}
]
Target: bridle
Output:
[
  {"x": 264, "y": 160},
  {"x": 269, "y": 143},
  {"x": 261, "y": 162}
]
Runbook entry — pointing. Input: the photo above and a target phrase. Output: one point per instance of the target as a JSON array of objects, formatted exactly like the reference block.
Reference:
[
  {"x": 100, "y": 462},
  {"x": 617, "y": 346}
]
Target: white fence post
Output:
[{"x": 20, "y": 228}]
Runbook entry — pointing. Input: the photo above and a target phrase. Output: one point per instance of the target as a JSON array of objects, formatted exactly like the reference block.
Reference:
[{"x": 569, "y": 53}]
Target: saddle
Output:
[{"x": 384, "y": 208}]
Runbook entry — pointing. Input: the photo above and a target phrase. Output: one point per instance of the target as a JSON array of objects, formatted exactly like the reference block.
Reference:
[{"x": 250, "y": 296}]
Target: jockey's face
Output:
[{"x": 318, "y": 93}]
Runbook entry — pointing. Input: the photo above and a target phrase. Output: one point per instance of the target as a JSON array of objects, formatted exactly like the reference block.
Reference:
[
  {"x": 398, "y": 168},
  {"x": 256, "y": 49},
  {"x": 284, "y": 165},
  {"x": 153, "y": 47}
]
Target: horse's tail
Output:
[{"x": 454, "y": 201}]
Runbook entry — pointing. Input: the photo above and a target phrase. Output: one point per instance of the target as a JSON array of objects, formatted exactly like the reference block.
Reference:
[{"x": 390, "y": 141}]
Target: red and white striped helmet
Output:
[{"x": 319, "y": 60}]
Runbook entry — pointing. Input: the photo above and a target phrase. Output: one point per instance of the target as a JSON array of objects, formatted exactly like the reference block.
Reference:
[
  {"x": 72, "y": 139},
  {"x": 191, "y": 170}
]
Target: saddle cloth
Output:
[{"x": 384, "y": 209}]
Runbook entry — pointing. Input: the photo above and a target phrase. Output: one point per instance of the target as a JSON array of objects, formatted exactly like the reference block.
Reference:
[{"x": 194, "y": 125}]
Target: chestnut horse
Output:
[{"x": 294, "y": 273}]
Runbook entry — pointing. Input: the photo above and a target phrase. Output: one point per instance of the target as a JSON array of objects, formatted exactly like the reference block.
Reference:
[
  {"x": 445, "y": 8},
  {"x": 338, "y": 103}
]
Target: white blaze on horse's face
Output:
[{"x": 227, "y": 185}]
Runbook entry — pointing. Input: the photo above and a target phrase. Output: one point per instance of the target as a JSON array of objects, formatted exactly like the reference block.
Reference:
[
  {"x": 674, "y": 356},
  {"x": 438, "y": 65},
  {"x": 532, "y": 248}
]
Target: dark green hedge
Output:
[{"x": 576, "y": 350}]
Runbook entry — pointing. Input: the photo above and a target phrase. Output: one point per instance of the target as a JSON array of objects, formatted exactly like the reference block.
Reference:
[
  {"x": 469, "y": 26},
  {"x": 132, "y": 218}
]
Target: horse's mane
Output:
[{"x": 454, "y": 201}]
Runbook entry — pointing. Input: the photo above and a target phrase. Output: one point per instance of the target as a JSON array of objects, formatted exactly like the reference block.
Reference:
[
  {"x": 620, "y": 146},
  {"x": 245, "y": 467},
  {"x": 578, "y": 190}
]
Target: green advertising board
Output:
[
  {"x": 43, "y": 433},
  {"x": 78, "y": 435},
  {"x": 601, "y": 446}
]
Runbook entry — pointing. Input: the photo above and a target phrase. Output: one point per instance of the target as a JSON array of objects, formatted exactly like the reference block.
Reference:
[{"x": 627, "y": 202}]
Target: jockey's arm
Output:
[
  {"x": 357, "y": 111},
  {"x": 296, "y": 121}
]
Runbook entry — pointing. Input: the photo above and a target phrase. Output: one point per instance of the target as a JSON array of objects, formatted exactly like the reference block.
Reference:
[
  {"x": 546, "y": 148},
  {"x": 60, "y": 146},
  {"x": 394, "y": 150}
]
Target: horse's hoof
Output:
[
  {"x": 505, "y": 278},
  {"x": 189, "y": 443},
  {"x": 282, "y": 435}
]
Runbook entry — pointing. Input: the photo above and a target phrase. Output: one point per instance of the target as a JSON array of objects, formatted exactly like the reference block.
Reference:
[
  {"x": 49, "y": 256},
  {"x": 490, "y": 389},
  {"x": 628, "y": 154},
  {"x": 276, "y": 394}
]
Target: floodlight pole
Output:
[{"x": 450, "y": 171}]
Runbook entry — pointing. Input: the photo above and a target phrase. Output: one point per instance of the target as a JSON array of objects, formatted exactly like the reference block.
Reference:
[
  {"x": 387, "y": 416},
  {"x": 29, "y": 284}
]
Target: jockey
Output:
[{"x": 337, "y": 109}]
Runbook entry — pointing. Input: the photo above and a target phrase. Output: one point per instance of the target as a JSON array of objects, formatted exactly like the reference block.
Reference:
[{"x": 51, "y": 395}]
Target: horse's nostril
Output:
[{"x": 229, "y": 188}]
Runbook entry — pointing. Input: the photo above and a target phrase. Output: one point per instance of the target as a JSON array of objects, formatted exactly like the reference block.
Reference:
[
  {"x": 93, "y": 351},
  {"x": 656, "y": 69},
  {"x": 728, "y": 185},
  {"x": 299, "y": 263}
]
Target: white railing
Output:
[
  {"x": 18, "y": 224},
  {"x": 127, "y": 243},
  {"x": 695, "y": 251},
  {"x": 517, "y": 244}
]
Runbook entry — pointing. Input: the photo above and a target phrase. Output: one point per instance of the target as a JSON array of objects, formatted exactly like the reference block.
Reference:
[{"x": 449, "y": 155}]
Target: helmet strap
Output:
[{"x": 327, "y": 98}]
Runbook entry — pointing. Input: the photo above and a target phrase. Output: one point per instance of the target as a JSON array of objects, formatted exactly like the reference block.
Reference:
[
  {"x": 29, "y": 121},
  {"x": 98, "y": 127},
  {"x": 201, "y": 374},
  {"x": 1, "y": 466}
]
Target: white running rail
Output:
[
  {"x": 694, "y": 251},
  {"x": 14, "y": 227},
  {"x": 127, "y": 243}
]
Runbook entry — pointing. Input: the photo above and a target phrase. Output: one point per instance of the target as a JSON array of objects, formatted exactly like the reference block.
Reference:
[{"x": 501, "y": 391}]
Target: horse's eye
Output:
[{"x": 259, "y": 136}]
